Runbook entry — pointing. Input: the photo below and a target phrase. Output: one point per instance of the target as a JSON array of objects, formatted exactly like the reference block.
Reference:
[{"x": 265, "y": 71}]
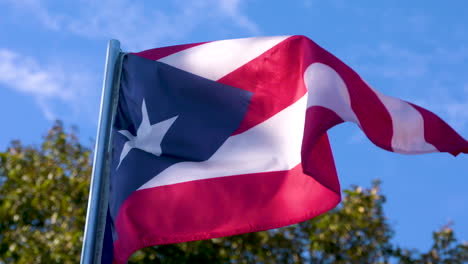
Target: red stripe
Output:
[
  {"x": 316, "y": 154},
  {"x": 218, "y": 207},
  {"x": 275, "y": 78},
  {"x": 374, "y": 118},
  {"x": 441, "y": 135},
  {"x": 159, "y": 53}
]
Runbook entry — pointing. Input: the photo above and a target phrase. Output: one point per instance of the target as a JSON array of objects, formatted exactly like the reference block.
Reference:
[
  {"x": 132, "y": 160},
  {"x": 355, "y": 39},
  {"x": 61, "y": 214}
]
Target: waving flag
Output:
[{"x": 228, "y": 137}]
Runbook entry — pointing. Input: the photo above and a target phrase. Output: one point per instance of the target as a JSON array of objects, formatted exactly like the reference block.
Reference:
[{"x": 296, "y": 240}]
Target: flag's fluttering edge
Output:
[{"x": 228, "y": 137}]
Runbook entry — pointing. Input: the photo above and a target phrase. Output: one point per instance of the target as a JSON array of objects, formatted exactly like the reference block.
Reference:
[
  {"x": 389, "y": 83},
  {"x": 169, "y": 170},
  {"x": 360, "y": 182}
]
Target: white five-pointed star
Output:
[{"x": 148, "y": 137}]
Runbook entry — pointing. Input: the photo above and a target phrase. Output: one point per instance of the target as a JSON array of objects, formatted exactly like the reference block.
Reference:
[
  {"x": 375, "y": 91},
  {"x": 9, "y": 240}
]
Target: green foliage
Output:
[
  {"x": 355, "y": 232},
  {"x": 445, "y": 249},
  {"x": 43, "y": 200}
]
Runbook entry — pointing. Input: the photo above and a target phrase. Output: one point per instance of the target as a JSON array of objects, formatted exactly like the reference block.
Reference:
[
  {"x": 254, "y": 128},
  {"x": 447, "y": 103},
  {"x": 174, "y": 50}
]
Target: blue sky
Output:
[{"x": 52, "y": 58}]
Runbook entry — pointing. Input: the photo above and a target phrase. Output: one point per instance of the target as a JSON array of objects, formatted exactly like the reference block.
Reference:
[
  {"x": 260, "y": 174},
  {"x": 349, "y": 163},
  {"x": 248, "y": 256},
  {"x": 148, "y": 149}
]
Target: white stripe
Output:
[
  {"x": 216, "y": 59},
  {"x": 327, "y": 89},
  {"x": 273, "y": 145},
  {"x": 408, "y": 126}
]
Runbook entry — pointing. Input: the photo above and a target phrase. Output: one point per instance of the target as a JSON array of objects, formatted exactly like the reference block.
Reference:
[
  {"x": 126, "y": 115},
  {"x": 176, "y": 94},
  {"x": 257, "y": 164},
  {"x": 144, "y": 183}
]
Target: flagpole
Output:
[{"x": 99, "y": 189}]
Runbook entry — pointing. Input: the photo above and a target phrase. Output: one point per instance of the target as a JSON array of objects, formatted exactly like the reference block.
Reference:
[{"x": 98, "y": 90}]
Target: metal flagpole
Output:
[{"x": 98, "y": 196}]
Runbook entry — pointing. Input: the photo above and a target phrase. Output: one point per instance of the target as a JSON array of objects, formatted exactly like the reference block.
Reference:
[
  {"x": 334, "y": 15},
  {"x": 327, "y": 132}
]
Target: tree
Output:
[
  {"x": 445, "y": 249},
  {"x": 43, "y": 201},
  {"x": 43, "y": 197},
  {"x": 356, "y": 231}
]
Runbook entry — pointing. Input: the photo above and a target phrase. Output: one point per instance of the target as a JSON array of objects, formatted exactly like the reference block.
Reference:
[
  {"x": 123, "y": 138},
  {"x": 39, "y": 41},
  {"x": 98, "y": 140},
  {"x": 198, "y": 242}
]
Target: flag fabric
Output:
[{"x": 227, "y": 137}]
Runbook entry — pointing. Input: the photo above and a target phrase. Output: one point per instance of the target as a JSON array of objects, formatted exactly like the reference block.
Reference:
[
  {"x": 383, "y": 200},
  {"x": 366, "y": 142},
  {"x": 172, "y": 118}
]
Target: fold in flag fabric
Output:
[{"x": 227, "y": 137}]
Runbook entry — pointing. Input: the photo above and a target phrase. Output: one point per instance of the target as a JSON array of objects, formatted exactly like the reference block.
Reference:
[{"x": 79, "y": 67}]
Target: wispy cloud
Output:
[
  {"x": 45, "y": 83},
  {"x": 452, "y": 107},
  {"x": 455, "y": 108},
  {"x": 25, "y": 75},
  {"x": 137, "y": 25},
  {"x": 36, "y": 9},
  {"x": 434, "y": 78},
  {"x": 458, "y": 113},
  {"x": 390, "y": 61},
  {"x": 232, "y": 8}
]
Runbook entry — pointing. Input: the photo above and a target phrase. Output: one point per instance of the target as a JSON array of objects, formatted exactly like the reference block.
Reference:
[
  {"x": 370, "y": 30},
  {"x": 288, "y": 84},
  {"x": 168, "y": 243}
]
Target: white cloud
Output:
[
  {"x": 390, "y": 61},
  {"x": 433, "y": 79},
  {"x": 455, "y": 109},
  {"x": 308, "y": 3},
  {"x": 25, "y": 75},
  {"x": 135, "y": 24},
  {"x": 232, "y": 9},
  {"x": 38, "y": 9},
  {"x": 458, "y": 114},
  {"x": 47, "y": 84},
  {"x": 450, "y": 105}
]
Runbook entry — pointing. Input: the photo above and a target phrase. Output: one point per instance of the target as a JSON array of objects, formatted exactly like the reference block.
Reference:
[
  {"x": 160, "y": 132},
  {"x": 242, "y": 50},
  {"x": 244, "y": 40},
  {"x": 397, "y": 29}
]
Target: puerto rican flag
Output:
[{"x": 227, "y": 137}]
